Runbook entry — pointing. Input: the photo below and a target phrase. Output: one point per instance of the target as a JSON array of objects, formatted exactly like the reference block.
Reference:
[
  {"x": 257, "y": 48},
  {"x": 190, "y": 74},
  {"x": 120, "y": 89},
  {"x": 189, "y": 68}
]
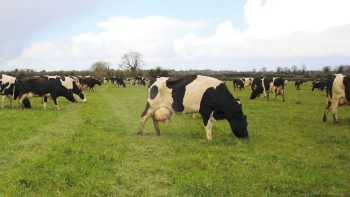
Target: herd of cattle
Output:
[{"x": 207, "y": 96}]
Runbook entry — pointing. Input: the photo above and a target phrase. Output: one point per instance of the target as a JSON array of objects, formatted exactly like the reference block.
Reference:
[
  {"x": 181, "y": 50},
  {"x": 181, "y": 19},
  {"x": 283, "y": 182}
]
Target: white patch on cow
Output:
[{"x": 195, "y": 90}]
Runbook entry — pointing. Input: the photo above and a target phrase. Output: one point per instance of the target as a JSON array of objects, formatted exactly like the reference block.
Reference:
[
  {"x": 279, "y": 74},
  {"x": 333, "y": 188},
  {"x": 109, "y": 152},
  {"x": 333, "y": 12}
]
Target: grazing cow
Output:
[
  {"x": 139, "y": 81},
  {"x": 7, "y": 84},
  {"x": 70, "y": 84},
  {"x": 118, "y": 81},
  {"x": 192, "y": 94},
  {"x": 319, "y": 84},
  {"x": 247, "y": 81},
  {"x": 89, "y": 82},
  {"x": 268, "y": 85},
  {"x": 298, "y": 83},
  {"x": 255, "y": 83},
  {"x": 43, "y": 87},
  {"x": 338, "y": 93},
  {"x": 238, "y": 83}
]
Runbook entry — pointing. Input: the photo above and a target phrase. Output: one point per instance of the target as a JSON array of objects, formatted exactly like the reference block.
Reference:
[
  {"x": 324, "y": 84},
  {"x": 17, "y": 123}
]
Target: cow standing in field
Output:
[
  {"x": 268, "y": 85},
  {"x": 338, "y": 93},
  {"x": 192, "y": 94},
  {"x": 247, "y": 81},
  {"x": 7, "y": 83},
  {"x": 90, "y": 82},
  {"x": 139, "y": 81},
  {"x": 41, "y": 87},
  {"x": 118, "y": 81},
  {"x": 298, "y": 83},
  {"x": 70, "y": 84},
  {"x": 319, "y": 84},
  {"x": 238, "y": 83}
]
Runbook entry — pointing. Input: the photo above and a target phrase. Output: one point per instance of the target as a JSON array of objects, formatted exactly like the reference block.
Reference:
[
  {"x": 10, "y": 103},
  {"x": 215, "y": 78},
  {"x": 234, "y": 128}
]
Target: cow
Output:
[
  {"x": 268, "y": 85},
  {"x": 338, "y": 93},
  {"x": 7, "y": 84},
  {"x": 247, "y": 81},
  {"x": 238, "y": 83},
  {"x": 118, "y": 81},
  {"x": 139, "y": 81},
  {"x": 255, "y": 83},
  {"x": 70, "y": 84},
  {"x": 299, "y": 82},
  {"x": 319, "y": 84},
  {"x": 192, "y": 94},
  {"x": 89, "y": 82},
  {"x": 42, "y": 87}
]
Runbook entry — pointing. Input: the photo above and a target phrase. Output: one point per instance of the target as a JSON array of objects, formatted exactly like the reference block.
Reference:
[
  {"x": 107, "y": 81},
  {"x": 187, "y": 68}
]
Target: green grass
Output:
[{"x": 92, "y": 149}]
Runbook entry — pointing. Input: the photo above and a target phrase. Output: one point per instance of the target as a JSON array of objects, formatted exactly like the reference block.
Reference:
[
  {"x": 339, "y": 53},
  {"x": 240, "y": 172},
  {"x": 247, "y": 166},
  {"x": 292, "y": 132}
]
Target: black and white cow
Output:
[
  {"x": 139, "y": 81},
  {"x": 338, "y": 93},
  {"x": 42, "y": 87},
  {"x": 117, "y": 81},
  {"x": 70, "y": 84},
  {"x": 192, "y": 94},
  {"x": 7, "y": 83},
  {"x": 238, "y": 83},
  {"x": 90, "y": 82},
  {"x": 319, "y": 84},
  {"x": 299, "y": 82},
  {"x": 268, "y": 85},
  {"x": 247, "y": 81}
]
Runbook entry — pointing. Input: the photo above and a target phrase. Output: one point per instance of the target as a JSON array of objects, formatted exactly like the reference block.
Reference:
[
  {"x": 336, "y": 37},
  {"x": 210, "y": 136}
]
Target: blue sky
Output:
[{"x": 206, "y": 34}]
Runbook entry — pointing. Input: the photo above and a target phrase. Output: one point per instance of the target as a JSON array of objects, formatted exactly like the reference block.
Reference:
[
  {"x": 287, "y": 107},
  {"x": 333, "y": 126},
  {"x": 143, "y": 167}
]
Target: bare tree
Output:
[{"x": 131, "y": 61}]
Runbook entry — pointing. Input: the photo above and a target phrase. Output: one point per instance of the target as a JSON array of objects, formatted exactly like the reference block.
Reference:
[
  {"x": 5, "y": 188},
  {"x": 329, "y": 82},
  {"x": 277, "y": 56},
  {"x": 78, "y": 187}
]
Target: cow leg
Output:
[
  {"x": 2, "y": 101},
  {"x": 11, "y": 100},
  {"x": 206, "y": 117},
  {"x": 144, "y": 116},
  {"x": 156, "y": 125},
  {"x": 334, "y": 111},
  {"x": 282, "y": 94},
  {"x": 44, "y": 102},
  {"x": 54, "y": 98},
  {"x": 325, "y": 113}
]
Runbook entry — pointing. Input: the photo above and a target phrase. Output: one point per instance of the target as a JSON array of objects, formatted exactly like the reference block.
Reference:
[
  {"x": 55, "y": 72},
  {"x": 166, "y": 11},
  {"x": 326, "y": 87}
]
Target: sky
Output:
[{"x": 236, "y": 35}]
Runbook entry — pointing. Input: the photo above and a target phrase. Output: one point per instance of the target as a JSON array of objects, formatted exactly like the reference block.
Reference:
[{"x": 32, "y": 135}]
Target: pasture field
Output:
[{"x": 92, "y": 149}]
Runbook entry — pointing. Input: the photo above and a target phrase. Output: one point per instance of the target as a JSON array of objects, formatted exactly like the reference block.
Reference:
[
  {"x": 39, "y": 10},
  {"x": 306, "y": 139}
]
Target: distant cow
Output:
[
  {"x": 238, "y": 83},
  {"x": 247, "y": 81},
  {"x": 42, "y": 87},
  {"x": 139, "y": 81},
  {"x": 268, "y": 85},
  {"x": 191, "y": 94},
  {"x": 90, "y": 82},
  {"x": 338, "y": 93},
  {"x": 299, "y": 82},
  {"x": 118, "y": 81},
  {"x": 319, "y": 84}
]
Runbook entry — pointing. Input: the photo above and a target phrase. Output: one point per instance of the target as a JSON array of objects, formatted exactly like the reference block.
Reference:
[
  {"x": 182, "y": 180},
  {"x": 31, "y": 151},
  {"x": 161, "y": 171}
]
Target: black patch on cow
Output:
[
  {"x": 63, "y": 78},
  {"x": 223, "y": 105},
  {"x": 146, "y": 109},
  {"x": 346, "y": 82},
  {"x": 0, "y": 76},
  {"x": 153, "y": 92},
  {"x": 329, "y": 86},
  {"x": 279, "y": 82},
  {"x": 178, "y": 85}
]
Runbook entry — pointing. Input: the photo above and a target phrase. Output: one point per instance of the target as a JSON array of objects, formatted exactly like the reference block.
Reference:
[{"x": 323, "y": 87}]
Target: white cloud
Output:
[{"x": 279, "y": 32}]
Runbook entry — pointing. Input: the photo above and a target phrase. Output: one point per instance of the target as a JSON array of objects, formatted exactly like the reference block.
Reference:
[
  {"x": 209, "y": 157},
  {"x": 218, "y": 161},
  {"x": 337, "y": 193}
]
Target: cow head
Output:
[
  {"x": 69, "y": 95},
  {"x": 256, "y": 92},
  {"x": 239, "y": 126},
  {"x": 77, "y": 91}
]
